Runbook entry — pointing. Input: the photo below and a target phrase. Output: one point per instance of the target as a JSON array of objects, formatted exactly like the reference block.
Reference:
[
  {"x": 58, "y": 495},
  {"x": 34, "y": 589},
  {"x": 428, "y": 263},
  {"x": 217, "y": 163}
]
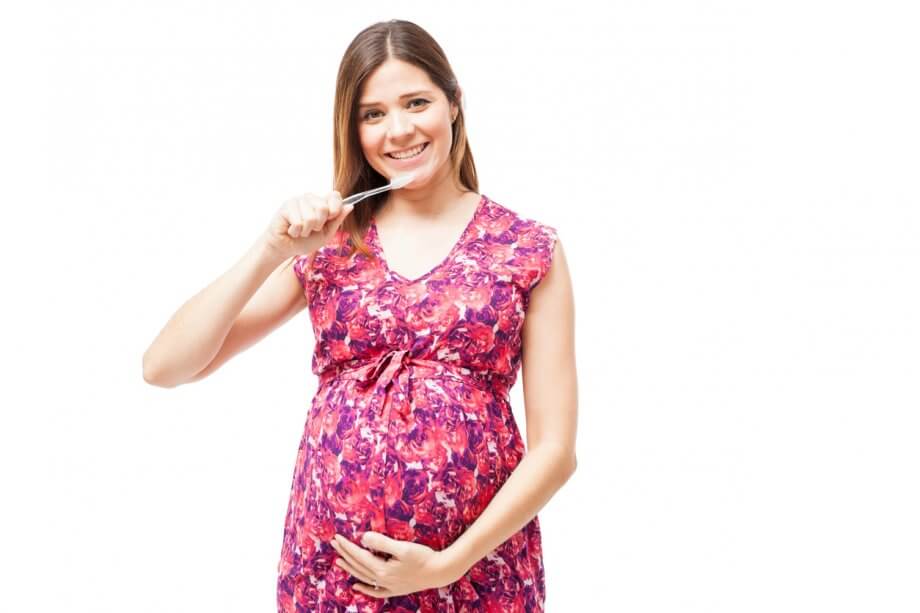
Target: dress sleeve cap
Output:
[
  {"x": 301, "y": 267},
  {"x": 542, "y": 244}
]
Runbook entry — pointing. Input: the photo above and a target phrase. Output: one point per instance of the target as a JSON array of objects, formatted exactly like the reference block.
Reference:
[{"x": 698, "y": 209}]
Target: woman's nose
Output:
[{"x": 400, "y": 125}]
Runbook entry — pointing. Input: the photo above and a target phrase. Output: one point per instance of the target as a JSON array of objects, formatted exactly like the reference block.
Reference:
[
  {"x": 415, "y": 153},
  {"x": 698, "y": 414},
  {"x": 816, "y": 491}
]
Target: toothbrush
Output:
[{"x": 395, "y": 183}]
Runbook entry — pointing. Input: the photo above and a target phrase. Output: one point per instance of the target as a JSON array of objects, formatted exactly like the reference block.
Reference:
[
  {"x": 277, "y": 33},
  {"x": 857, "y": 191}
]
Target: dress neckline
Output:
[{"x": 378, "y": 247}]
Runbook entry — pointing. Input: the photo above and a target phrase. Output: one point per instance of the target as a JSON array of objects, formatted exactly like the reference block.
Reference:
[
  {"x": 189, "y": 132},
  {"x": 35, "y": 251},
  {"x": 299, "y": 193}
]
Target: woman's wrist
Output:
[
  {"x": 454, "y": 562},
  {"x": 266, "y": 250}
]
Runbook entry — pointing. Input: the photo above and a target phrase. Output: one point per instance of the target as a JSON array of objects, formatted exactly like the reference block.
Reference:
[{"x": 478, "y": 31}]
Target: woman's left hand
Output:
[{"x": 413, "y": 567}]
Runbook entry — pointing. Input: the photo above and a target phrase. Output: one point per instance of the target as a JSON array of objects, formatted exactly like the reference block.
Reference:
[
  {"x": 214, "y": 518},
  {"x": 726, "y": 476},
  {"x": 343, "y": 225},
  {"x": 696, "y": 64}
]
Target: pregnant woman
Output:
[{"x": 411, "y": 490}]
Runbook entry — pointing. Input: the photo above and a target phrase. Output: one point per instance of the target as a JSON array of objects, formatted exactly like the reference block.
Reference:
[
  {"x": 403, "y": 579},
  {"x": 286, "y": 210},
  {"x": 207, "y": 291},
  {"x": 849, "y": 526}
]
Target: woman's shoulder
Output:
[
  {"x": 525, "y": 244},
  {"x": 504, "y": 220},
  {"x": 335, "y": 251}
]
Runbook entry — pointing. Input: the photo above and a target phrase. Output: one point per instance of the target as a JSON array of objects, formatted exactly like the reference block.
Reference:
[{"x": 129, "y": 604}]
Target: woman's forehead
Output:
[{"x": 395, "y": 78}]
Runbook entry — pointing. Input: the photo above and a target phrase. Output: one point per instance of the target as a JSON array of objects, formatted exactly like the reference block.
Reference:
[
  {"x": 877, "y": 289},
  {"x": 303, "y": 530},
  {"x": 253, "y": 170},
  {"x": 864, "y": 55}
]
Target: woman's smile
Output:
[{"x": 408, "y": 157}]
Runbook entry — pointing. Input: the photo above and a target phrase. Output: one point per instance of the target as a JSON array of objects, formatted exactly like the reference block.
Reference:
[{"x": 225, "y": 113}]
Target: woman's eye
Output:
[{"x": 368, "y": 115}]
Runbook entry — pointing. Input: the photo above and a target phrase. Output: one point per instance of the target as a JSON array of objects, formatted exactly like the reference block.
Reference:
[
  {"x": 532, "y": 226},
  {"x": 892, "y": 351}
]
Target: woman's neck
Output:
[{"x": 428, "y": 203}]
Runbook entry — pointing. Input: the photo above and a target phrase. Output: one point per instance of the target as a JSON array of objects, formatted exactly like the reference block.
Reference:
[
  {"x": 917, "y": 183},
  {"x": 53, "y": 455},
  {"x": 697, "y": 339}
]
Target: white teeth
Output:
[{"x": 408, "y": 154}]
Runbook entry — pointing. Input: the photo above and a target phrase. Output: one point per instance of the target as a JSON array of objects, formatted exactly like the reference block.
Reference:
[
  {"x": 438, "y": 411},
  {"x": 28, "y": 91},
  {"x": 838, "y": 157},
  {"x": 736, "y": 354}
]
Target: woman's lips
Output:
[{"x": 409, "y": 161}]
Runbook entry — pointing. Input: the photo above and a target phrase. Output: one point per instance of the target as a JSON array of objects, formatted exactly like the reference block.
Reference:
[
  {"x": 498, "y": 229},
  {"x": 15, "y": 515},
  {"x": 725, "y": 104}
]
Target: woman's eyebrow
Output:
[{"x": 421, "y": 91}]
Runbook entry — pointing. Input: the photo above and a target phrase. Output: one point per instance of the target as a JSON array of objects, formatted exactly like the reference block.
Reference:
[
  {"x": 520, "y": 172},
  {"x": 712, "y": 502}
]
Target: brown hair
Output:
[{"x": 372, "y": 47}]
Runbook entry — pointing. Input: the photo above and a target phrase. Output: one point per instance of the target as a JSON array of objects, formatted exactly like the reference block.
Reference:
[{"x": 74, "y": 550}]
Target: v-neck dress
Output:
[{"x": 410, "y": 432}]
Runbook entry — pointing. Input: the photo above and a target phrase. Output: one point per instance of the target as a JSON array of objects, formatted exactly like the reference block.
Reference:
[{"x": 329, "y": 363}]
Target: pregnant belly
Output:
[{"x": 417, "y": 464}]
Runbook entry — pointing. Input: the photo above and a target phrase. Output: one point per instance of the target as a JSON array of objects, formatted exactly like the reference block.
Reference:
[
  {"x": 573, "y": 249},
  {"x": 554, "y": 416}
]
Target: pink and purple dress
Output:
[{"x": 410, "y": 432}]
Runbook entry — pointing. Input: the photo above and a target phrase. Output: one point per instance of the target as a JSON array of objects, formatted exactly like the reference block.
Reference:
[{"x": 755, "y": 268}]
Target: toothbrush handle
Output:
[{"x": 354, "y": 198}]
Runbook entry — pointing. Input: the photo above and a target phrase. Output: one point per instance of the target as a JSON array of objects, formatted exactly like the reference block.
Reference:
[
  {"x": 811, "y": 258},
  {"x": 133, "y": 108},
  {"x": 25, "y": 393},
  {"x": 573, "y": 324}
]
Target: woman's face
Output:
[{"x": 400, "y": 109}]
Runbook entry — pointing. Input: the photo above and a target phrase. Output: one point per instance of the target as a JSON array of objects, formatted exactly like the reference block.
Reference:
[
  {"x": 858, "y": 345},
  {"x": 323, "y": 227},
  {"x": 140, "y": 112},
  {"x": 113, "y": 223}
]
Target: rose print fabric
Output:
[{"x": 410, "y": 432}]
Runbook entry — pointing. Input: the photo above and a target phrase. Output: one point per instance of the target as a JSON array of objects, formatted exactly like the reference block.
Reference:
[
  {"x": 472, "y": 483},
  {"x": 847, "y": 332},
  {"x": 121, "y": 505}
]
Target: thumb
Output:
[
  {"x": 380, "y": 542},
  {"x": 342, "y": 215}
]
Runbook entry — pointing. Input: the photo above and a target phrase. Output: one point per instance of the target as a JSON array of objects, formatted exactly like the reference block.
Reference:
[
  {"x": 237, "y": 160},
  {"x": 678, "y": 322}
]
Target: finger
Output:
[
  {"x": 334, "y": 201},
  {"x": 361, "y": 555},
  {"x": 336, "y": 222},
  {"x": 368, "y": 571},
  {"x": 356, "y": 572},
  {"x": 310, "y": 223},
  {"x": 295, "y": 222},
  {"x": 383, "y": 543},
  {"x": 314, "y": 210},
  {"x": 340, "y": 220},
  {"x": 370, "y": 591}
]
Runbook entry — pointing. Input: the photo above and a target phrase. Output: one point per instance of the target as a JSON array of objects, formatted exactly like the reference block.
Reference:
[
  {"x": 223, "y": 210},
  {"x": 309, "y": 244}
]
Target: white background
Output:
[{"x": 735, "y": 186}]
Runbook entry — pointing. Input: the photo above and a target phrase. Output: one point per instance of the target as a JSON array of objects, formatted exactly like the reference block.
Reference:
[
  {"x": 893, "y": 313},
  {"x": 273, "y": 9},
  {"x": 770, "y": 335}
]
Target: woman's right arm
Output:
[
  {"x": 225, "y": 317},
  {"x": 195, "y": 333}
]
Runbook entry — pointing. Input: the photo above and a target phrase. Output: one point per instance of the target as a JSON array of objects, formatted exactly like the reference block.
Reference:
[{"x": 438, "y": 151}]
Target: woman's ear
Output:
[{"x": 454, "y": 110}]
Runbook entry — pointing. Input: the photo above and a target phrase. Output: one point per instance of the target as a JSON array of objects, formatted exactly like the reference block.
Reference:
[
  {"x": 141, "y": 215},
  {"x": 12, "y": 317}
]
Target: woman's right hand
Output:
[{"x": 305, "y": 223}]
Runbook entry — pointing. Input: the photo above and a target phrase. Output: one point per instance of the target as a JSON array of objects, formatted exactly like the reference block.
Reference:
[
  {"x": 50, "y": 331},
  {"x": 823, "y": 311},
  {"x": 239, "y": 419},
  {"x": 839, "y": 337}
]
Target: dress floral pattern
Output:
[{"x": 410, "y": 432}]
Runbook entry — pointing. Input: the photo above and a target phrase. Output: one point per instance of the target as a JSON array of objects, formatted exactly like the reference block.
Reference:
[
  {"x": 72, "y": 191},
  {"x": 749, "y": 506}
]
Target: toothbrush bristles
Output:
[{"x": 401, "y": 180}]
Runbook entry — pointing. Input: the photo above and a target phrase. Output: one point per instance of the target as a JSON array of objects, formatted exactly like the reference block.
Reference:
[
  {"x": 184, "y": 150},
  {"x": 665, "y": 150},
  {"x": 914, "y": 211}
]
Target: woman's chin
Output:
[{"x": 420, "y": 177}]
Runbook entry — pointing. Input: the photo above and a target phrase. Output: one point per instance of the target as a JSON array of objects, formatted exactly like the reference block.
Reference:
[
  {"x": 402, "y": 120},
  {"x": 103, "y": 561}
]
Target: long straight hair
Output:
[{"x": 405, "y": 41}]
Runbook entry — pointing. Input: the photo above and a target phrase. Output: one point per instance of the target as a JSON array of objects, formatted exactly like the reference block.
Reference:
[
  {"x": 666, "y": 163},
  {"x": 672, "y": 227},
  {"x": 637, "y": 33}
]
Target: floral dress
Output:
[{"x": 410, "y": 432}]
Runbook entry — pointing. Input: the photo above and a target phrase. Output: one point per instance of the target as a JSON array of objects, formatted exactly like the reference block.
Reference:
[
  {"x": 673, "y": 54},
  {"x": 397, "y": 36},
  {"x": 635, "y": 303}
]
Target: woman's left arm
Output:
[{"x": 551, "y": 405}]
